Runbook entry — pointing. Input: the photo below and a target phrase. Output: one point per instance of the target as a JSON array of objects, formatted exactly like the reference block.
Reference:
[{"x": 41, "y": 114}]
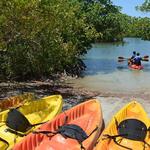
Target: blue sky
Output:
[{"x": 128, "y": 7}]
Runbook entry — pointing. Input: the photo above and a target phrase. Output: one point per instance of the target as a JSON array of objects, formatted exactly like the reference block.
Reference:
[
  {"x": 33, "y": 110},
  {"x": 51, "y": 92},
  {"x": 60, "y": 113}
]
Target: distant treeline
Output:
[
  {"x": 138, "y": 27},
  {"x": 44, "y": 37}
]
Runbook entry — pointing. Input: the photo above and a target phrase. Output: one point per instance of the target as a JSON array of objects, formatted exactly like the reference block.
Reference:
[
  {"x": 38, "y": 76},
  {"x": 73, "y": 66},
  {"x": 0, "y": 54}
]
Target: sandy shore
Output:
[{"x": 72, "y": 95}]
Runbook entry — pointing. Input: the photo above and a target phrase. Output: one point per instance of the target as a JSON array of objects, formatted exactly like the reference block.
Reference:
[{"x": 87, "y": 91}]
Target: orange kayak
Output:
[
  {"x": 78, "y": 127},
  {"x": 136, "y": 67},
  {"x": 128, "y": 130}
]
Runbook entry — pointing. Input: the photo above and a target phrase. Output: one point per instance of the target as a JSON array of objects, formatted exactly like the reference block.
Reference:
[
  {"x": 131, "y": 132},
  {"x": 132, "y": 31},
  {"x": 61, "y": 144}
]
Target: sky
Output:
[{"x": 128, "y": 7}]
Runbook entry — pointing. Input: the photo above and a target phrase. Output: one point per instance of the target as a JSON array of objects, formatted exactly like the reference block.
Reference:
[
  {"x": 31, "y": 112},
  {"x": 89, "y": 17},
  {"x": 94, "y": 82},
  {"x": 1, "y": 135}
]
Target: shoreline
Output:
[
  {"x": 67, "y": 90},
  {"x": 73, "y": 95}
]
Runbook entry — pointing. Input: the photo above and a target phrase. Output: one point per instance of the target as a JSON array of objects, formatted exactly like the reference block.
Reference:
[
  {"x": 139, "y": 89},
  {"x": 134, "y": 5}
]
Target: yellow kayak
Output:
[
  {"x": 15, "y": 101},
  {"x": 16, "y": 123},
  {"x": 128, "y": 130}
]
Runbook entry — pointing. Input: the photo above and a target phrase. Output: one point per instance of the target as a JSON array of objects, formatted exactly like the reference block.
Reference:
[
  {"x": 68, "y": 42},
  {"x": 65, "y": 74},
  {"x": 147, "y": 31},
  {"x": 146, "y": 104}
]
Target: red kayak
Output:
[{"x": 136, "y": 67}]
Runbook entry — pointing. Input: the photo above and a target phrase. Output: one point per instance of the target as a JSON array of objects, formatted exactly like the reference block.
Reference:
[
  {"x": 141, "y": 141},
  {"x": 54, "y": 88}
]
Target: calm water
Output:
[{"x": 104, "y": 73}]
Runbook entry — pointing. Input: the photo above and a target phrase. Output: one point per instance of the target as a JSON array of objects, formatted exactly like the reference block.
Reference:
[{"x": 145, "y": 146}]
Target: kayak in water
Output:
[{"x": 136, "y": 67}]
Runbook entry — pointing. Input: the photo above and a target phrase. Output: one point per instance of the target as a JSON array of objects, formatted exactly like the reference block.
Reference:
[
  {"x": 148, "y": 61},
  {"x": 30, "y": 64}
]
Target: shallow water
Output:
[{"x": 104, "y": 73}]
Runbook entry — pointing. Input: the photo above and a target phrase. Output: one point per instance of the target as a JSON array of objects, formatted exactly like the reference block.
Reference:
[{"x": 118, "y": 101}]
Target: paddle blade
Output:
[
  {"x": 120, "y": 57},
  {"x": 146, "y": 56},
  {"x": 121, "y": 60},
  {"x": 145, "y": 59}
]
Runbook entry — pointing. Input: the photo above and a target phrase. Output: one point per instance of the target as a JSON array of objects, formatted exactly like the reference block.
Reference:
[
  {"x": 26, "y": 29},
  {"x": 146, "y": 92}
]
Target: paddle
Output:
[
  {"x": 145, "y": 59},
  {"x": 120, "y": 58},
  {"x": 146, "y": 56}
]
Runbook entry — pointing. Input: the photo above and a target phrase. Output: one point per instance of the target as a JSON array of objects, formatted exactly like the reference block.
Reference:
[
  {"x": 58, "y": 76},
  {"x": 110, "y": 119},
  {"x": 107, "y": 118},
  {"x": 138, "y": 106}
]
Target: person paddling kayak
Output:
[
  {"x": 131, "y": 60},
  {"x": 137, "y": 59}
]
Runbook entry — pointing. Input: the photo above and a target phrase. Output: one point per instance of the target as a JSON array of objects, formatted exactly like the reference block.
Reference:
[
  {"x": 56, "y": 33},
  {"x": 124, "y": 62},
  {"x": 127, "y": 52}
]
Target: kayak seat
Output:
[
  {"x": 72, "y": 131},
  {"x": 133, "y": 129},
  {"x": 17, "y": 122}
]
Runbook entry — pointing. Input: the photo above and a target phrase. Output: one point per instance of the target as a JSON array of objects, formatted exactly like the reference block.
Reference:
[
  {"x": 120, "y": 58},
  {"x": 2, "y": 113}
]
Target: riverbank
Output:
[
  {"x": 67, "y": 90},
  {"x": 73, "y": 95}
]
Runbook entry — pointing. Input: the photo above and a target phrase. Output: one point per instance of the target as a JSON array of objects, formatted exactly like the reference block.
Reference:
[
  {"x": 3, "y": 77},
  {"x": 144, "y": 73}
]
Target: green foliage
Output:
[
  {"x": 143, "y": 24},
  {"x": 145, "y": 7},
  {"x": 106, "y": 19},
  {"x": 112, "y": 27},
  {"x": 145, "y": 28},
  {"x": 139, "y": 27},
  {"x": 44, "y": 37}
]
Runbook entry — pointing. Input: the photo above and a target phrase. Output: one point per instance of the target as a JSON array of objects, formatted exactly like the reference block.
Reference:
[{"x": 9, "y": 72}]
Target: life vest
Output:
[{"x": 137, "y": 60}]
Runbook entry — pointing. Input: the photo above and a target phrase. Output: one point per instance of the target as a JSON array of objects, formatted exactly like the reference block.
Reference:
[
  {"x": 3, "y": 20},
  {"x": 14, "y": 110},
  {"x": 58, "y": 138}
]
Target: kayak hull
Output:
[
  {"x": 87, "y": 115},
  {"x": 135, "y": 67},
  {"x": 36, "y": 112},
  {"x": 132, "y": 110}
]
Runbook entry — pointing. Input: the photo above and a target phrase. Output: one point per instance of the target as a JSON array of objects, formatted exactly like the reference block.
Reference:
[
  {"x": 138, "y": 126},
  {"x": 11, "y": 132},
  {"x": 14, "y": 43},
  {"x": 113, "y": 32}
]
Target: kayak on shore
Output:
[
  {"x": 75, "y": 129},
  {"x": 128, "y": 129},
  {"x": 18, "y": 122}
]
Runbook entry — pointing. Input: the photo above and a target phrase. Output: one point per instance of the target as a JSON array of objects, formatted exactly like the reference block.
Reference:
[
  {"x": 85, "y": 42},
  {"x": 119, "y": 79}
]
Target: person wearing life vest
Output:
[
  {"x": 131, "y": 60},
  {"x": 137, "y": 59}
]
